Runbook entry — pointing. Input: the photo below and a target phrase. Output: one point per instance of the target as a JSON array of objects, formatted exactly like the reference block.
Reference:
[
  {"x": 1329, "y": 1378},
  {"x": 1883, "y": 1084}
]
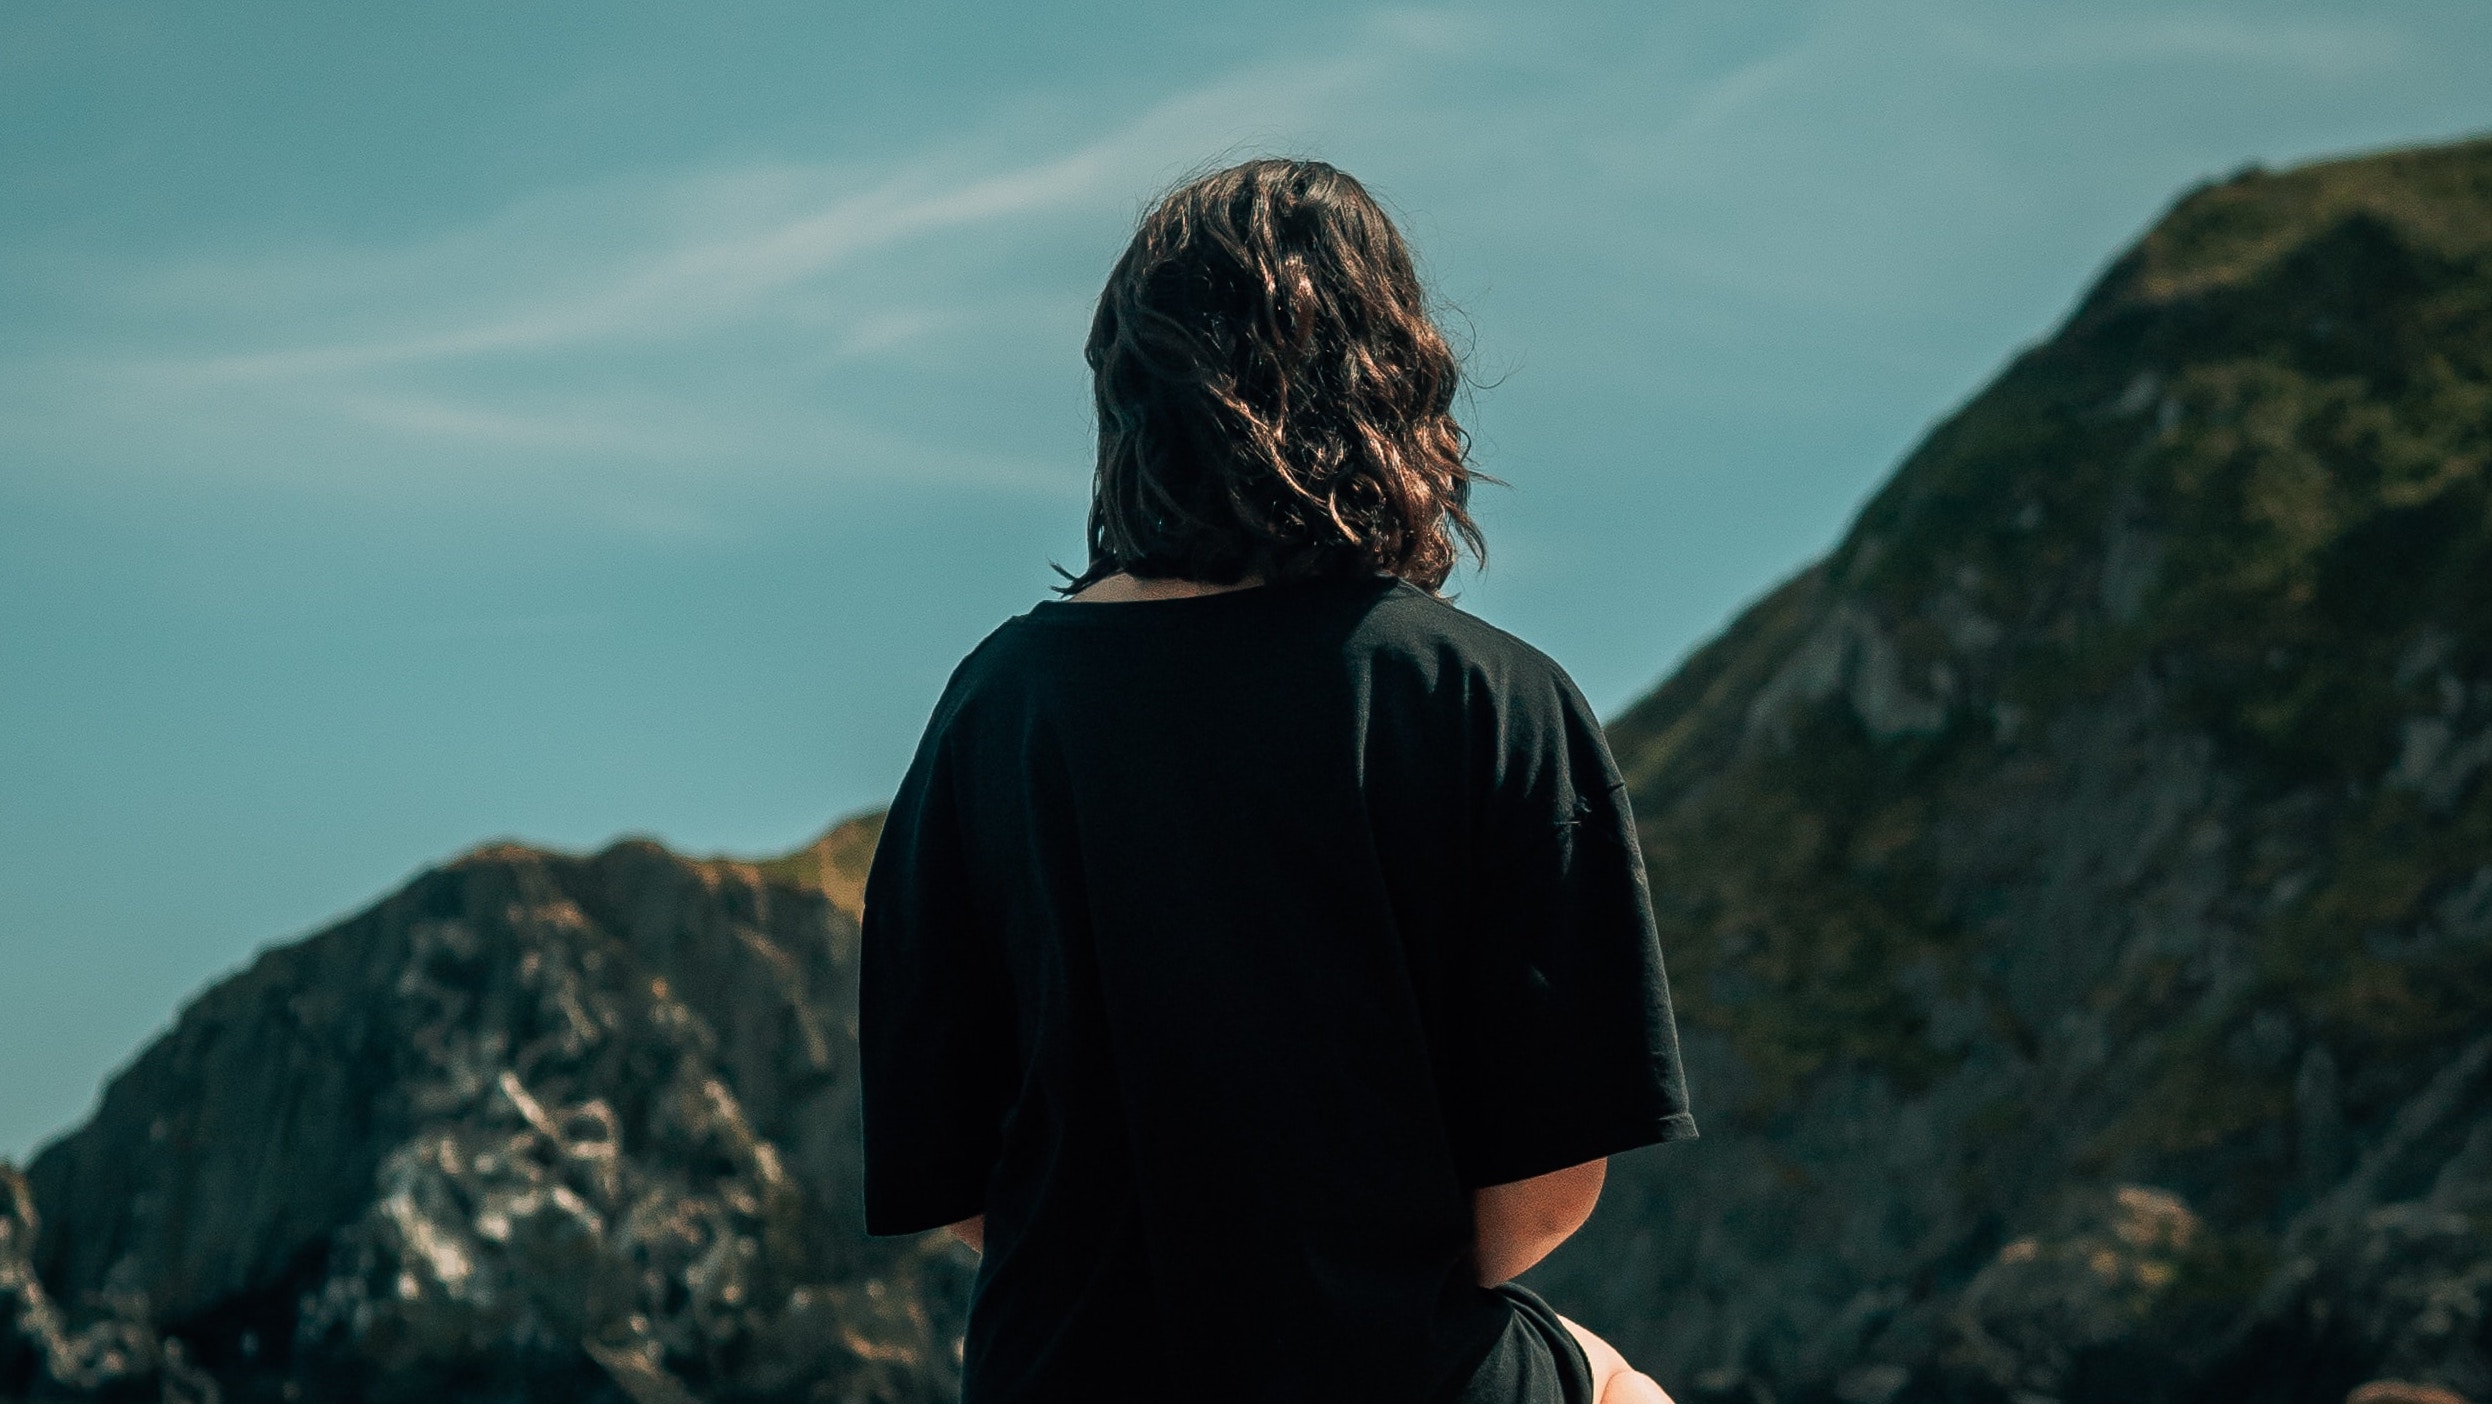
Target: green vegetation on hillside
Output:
[{"x": 2252, "y": 476}]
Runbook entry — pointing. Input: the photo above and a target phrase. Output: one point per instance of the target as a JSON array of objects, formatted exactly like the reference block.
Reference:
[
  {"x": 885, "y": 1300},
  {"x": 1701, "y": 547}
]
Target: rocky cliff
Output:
[
  {"x": 537, "y": 1127},
  {"x": 2078, "y": 886}
]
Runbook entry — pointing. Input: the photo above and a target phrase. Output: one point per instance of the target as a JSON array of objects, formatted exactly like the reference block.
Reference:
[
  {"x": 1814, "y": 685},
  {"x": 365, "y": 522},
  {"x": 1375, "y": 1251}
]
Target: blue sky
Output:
[{"x": 432, "y": 423}]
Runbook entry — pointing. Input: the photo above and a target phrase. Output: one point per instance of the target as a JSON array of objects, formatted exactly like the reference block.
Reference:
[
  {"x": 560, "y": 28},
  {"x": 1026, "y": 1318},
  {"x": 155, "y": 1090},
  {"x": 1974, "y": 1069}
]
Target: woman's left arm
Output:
[
  {"x": 1515, "y": 1225},
  {"x": 972, "y": 1231}
]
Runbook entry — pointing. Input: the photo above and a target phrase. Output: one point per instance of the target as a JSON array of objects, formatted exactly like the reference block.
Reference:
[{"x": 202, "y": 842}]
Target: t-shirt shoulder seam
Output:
[
  {"x": 971, "y": 671},
  {"x": 1519, "y": 648}
]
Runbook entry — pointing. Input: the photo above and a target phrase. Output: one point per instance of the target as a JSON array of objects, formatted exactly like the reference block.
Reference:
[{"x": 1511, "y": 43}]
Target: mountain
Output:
[
  {"x": 537, "y": 1127},
  {"x": 2078, "y": 886},
  {"x": 2077, "y": 890}
]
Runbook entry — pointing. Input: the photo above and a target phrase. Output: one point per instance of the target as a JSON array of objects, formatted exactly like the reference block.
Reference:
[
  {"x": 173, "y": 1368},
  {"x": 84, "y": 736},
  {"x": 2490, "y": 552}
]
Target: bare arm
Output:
[
  {"x": 972, "y": 1231},
  {"x": 1516, "y": 1225},
  {"x": 1513, "y": 1225}
]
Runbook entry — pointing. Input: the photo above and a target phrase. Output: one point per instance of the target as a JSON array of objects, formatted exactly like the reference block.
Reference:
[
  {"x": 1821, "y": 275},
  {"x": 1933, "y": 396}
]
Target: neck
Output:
[{"x": 1120, "y": 586}]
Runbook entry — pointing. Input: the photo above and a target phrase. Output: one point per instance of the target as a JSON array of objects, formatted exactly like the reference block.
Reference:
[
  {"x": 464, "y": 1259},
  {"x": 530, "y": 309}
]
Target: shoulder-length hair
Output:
[{"x": 1273, "y": 396}]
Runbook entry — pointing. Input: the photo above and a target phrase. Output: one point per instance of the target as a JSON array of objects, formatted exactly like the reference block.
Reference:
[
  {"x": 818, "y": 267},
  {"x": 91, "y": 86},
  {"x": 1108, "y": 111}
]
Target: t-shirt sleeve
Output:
[
  {"x": 934, "y": 1019},
  {"x": 1571, "y": 1052}
]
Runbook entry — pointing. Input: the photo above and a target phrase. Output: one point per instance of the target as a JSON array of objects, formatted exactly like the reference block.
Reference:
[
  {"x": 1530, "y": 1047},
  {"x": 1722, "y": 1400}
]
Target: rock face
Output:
[
  {"x": 2078, "y": 887},
  {"x": 537, "y": 1127}
]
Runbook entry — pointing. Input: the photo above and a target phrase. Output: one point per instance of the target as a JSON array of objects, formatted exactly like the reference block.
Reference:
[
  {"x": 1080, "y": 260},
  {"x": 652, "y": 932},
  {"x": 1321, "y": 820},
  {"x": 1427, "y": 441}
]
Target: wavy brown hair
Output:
[{"x": 1273, "y": 397}]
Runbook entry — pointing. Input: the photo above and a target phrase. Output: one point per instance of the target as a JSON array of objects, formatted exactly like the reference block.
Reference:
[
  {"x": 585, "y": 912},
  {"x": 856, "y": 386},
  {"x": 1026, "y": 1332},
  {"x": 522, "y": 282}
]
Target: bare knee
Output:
[{"x": 1614, "y": 1381}]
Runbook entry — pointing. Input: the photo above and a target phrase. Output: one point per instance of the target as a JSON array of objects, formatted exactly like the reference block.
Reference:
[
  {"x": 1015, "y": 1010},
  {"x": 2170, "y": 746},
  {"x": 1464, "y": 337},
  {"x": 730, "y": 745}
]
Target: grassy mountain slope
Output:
[{"x": 2101, "y": 825}]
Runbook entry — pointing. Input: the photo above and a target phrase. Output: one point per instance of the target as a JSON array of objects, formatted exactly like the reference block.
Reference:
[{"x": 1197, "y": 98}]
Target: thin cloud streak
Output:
[
  {"x": 2319, "y": 48},
  {"x": 776, "y": 300},
  {"x": 736, "y": 311},
  {"x": 681, "y": 291},
  {"x": 694, "y": 289},
  {"x": 467, "y": 422}
]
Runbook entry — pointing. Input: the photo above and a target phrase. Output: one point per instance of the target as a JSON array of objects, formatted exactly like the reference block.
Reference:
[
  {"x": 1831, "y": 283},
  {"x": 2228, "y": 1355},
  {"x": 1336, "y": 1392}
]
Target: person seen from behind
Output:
[{"x": 1258, "y": 962}]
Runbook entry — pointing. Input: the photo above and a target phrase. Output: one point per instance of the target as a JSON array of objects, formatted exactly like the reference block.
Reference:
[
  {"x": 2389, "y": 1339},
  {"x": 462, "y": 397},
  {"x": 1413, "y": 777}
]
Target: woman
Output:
[{"x": 1258, "y": 963}]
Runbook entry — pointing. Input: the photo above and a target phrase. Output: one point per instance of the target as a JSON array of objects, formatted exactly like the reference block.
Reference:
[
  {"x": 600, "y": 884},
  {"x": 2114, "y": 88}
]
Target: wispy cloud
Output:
[
  {"x": 716, "y": 318},
  {"x": 711, "y": 279},
  {"x": 672, "y": 292},
  {"x": 2330, "y": 48},
  {"x": 456, "y": 420},
  {"x": 898, "y": 315}
]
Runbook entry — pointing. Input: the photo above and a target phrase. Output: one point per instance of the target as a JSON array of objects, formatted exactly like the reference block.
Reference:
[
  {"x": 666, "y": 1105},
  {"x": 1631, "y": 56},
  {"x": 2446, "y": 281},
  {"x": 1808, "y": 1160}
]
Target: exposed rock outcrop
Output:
[{"x": 537, "y": 1127}]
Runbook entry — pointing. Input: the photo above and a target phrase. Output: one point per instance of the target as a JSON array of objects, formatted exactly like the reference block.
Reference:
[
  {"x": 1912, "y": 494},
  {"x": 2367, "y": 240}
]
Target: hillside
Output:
[
  {"x": 2078, "y": 886},
  {"x": 536, "y": 1127}
]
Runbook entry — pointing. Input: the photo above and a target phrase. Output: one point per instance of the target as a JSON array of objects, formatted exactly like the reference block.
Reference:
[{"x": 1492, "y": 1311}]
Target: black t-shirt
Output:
[{"x": 1215, "y": 948}]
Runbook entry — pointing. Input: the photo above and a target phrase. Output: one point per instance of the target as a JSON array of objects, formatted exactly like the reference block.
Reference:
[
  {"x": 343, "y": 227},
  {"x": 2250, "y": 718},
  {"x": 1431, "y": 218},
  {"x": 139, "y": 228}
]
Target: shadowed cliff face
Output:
[
  {"x": 535, "y": 1127},
  {"x": 2078, "y": 888}
]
